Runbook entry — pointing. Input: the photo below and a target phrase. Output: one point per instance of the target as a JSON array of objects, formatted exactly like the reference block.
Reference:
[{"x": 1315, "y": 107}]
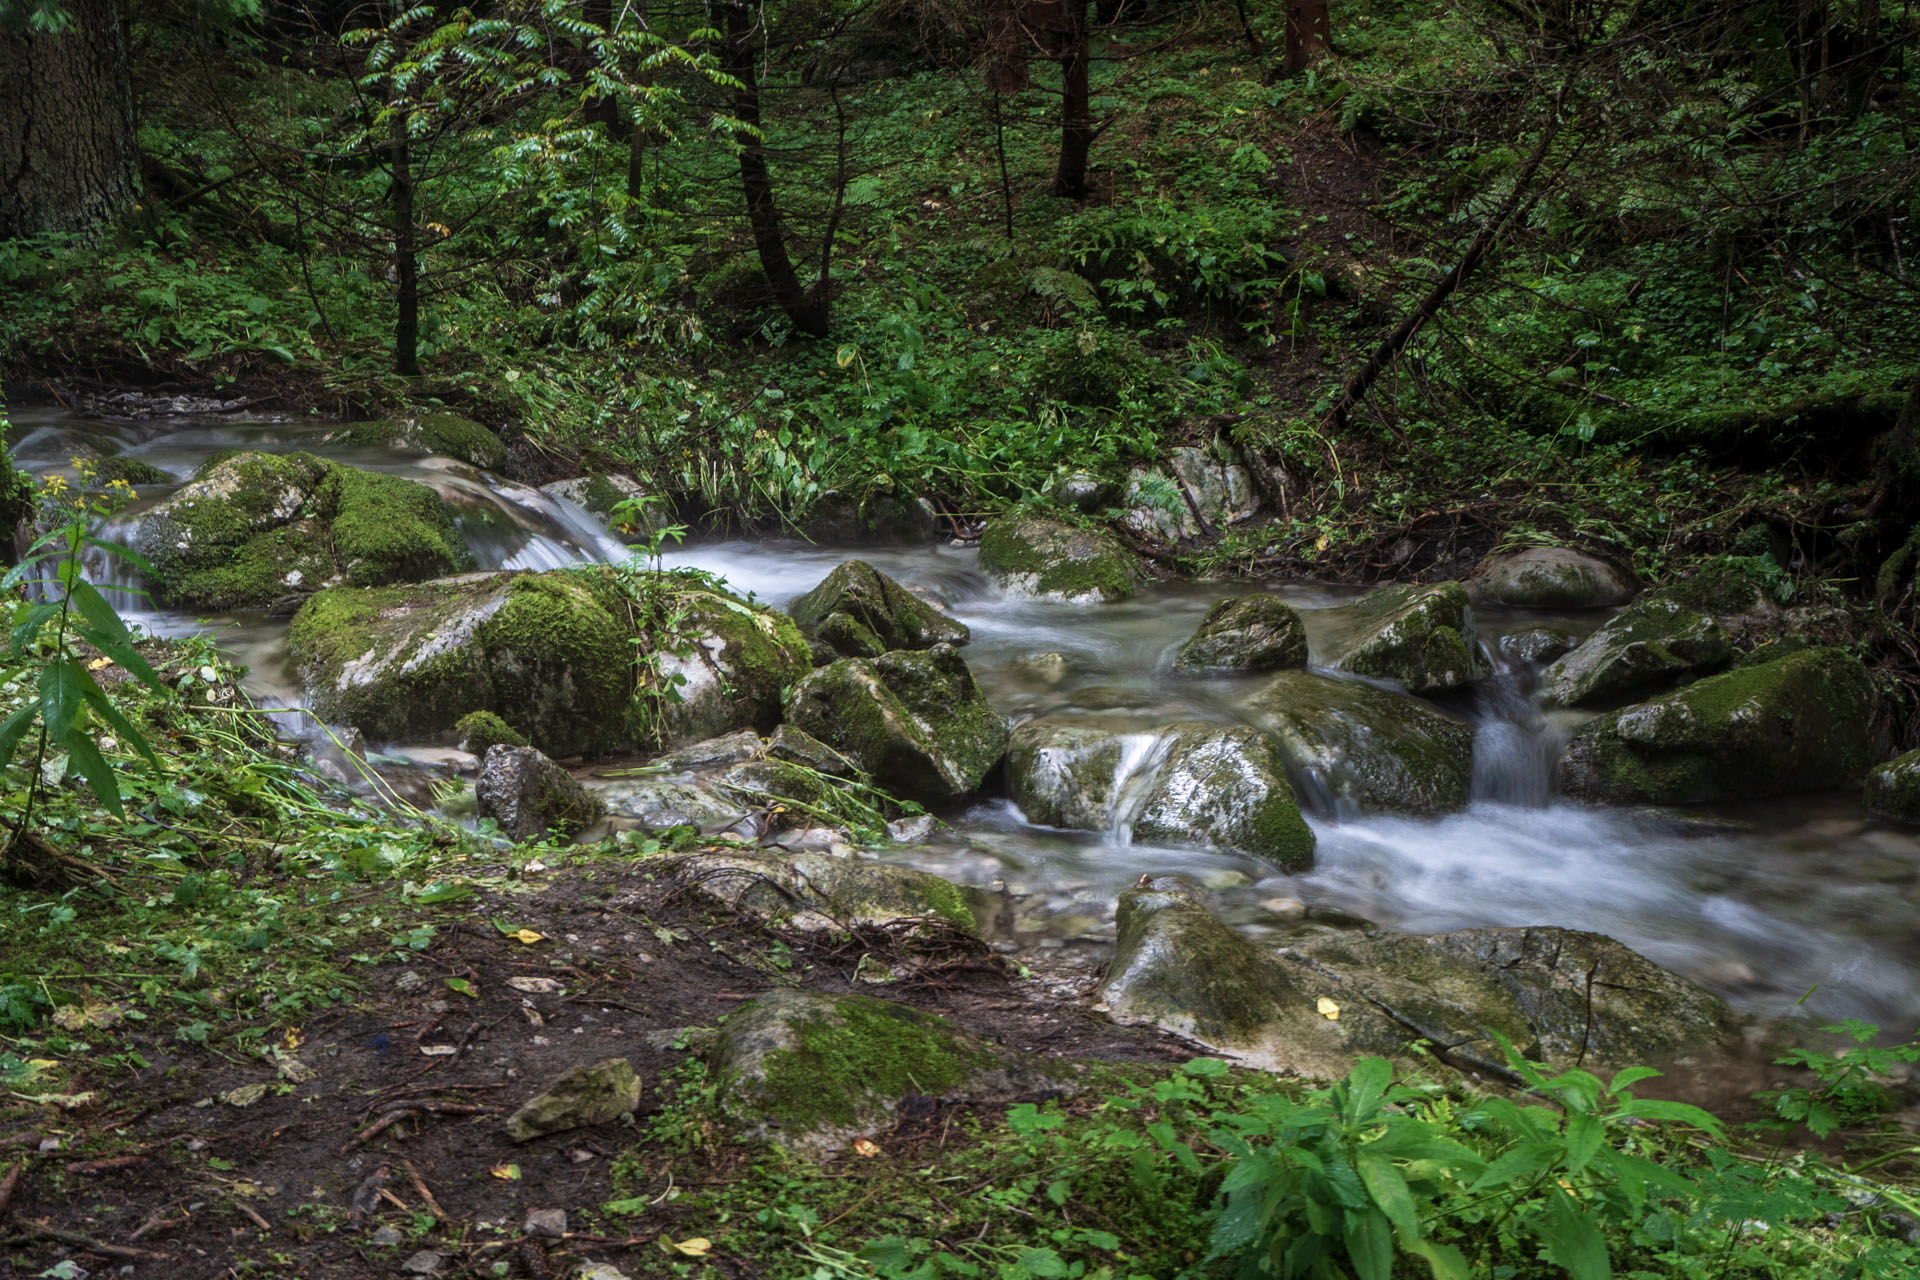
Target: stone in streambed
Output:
[
  {"x": 1551, "y": 578},
  {"x": 859, "y": 612},
  {"x": 1799, "y": 723},
  {"x": 821, "y": 890},
  {"x": 480, "y": 730},
  {"x": 436, "y": 431},
  {"x": 1420, "y": 637},
  {"x": 1366, "y": 749},
  {"x": 1245, "y": 633},
  {"x": 1649, "y": 645},
  {"x": 915, "y": 721},
  {"x": 529, "y": 795},
  {"x": 589, "y": 1094},
  {"x": 1035, "y": 555},
  {"x": 1893, "y": 789}
]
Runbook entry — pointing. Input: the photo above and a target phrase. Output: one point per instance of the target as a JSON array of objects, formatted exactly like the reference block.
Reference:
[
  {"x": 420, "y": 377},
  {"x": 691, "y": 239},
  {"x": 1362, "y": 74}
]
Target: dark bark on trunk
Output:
[
  {"x": 1309, "y": 29},
  {"x": 1076, "y": 102},
  {"x": 406, "y": 261},
  {"x": 67, "y": 157},
  {"x": 809, "y": 309}
]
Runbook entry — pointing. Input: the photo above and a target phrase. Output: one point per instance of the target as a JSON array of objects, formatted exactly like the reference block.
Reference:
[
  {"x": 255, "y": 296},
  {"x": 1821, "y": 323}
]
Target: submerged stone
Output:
[
  {"x": 1420, "y": 637},
  {"x": 859, "y": 612},
  {"x": 1551, "y": 578},
  {"x": 1799, "y": 723},
  {"x": 1245, "y": 633},
  {"x": 254, "y": 528},
  {"x": 915, "y": 721},
  {"x": 1365, "y": 749},
  {"x": 810, "y": 1072},
  {"x": 1648, "y": 645},
  {"x": 1039, "y": 556}
]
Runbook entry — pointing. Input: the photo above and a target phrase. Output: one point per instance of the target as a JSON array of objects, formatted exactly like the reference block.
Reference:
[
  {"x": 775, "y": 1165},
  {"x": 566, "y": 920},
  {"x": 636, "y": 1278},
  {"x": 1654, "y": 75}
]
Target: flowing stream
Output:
[{"x": 1758, "y": 901}]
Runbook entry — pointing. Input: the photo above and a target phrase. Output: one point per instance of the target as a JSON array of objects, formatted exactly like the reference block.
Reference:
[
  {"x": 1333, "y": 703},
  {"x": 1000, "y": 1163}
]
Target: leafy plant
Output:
[{"x": 1850, "y": 1089}]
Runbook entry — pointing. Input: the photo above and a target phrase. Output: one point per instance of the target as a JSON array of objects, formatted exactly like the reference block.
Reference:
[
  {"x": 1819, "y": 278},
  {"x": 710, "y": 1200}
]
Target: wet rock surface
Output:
[
  {"x": 529, "y": 795},
  {"x": 1551, "y": 578},
  {"x": 1649, "y": 645},
  {"x": 1419, "y": 637},
  {"x": 859, "y": 612},
  {"x": 1040, "y": 556},
  {"x": 1245, "y": 633}
]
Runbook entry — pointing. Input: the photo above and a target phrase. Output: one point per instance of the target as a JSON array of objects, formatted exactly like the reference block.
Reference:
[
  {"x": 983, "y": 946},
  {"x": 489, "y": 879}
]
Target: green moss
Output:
[
  {"x": 1721, "y": 587},
  {"x": 1893, "y": 789},
  {"x": 1051, "y": 558},
  {"x": 868, "y": 1051},
  {"x": 389, "y": 529},
  {"x": 479, "y": 730},
  {"x": 436, "y": 431},
  {"x": 131, "y": 470}
]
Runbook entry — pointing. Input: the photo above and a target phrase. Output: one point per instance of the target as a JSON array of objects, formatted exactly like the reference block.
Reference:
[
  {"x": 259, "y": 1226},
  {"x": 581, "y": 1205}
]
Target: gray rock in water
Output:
[
  {"x": 1420, "y": 637},
  {"x": 1551, "y": 578},
  {"x": 810, "y": 1072},
  {"x": 529, "y": 795},
  {"x": 796, "y": 746},
  {"x": 1084, "y": 492},
  {"x": 589, "y": 1094},
  {"x": 915, "y": 721},
  {"x": 881, "y": 519},
  {"x": 1536, "y": 646},
  {"x": 1798, "y": 723},
  {"x": 1648, "y": 645},
  {"x": 1193, "y": 783},
  {"x": 1893, "y": 789},
  {"x": 728, "y": 748},
  {"x": 1558, "y": 995},
  {"x": 1245, "y": 633},
  {"x": 859, "y": 612},
  {"x": 1364, "y": 749},
  {"x": 1037, "y": 555}
]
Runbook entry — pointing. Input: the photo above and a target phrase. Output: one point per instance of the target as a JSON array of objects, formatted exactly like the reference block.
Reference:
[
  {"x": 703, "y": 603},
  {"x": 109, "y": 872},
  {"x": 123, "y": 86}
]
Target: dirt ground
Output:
[{"x": 378, "y": 1135}]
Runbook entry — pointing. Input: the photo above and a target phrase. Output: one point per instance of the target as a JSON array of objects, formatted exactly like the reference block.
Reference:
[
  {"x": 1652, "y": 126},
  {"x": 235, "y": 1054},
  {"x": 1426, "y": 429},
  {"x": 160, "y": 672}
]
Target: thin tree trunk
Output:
[
  {"x": 406, "y": 262},
  {"x": 1309, "y": 31},
  {"x": 1076, "y": 103},
  {"x": 68, "y": 161},
  {"x": 805, "y": 307},
  {"x": 1000, "y": 150}
]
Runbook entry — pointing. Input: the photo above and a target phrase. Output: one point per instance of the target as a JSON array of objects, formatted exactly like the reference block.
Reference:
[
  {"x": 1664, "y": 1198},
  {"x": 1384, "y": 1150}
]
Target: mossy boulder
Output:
[
  {"x": 1551, "y": 578},
  {"x": 1193, "y": 783},
  {"x": 810, "y": 1072},
  {"x": 823, "y": 891},
  {"x": 1420, "y": 637},
  {"x": 435, "y": 431},
  {"x": 859, "y": 612},
  {"x": 1560, "y": 996},
  {"x": 878, "y": 519},
  {"x": 592, "y": 1093},
  {"x": 1893, "y": 789},
  {"x": 1245, "y": 633},
  {"x": 555, "y": 651},
  {"x": 599, "y": 494},
  {"x": 1647, "y": 646},
  {"x": 1355, "y": 748},
  {"x": 915, "y": 721},
  {"x": 1036, "y": 555},
  {"x": 529, "y": 795},
  {"x": 256, "y": 527},
  {"x": 130, "y": 470},
  {"x": 1799, "y": 723},
  {"x": 479, "y": 730}
]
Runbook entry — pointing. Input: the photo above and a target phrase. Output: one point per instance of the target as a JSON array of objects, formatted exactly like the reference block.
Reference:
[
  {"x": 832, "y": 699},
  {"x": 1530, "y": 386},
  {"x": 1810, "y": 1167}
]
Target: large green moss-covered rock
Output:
[
  {"x": 435, "y": 431},
  {"x": 1893, "y": 789},
  {"x": 1036, "y": 555},
  {"x": 256, "y": 527},
  {"x": 1647, "y": 646},
  {"x": 551, "y": 652},
  {"x": 859, "y": 612},
  {"x": 1194, "y": 783},
  {"x": 1551, "y": 578},
  {"x": 1420, "y": 637},
  {"x": 1364, "y": 749},
  {"x": 810, "y": 1072},
  {"x": 1799, "y": 723},
  {"x": 1559, "y": 996},
  {"x": 914, "y": 720},
  {"x": 1245, "y": 633}
]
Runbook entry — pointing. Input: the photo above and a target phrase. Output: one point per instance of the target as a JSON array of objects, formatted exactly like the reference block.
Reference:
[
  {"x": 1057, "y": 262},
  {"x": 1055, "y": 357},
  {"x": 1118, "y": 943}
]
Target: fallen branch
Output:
[
  {"x": 9, "y": 1184},
  {"x": 48, "y": 1231}
]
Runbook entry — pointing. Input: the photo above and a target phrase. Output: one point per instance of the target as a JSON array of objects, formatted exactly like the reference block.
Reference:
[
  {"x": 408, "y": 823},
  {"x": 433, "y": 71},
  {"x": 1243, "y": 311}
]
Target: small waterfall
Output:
[
  {"x": 1515, "y": 746},
  {"x": 1141, "y": 755}
]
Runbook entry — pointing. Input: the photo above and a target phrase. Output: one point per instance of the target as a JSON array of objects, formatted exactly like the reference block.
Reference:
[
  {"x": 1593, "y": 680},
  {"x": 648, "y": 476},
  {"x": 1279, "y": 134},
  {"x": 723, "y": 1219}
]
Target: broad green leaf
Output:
[
  {"x": 102, "y": 706},
  {"x": 36, "y": 617},
  {"x": 60, "y": 696},
  {"x": 1677, "y": 1112},
  {"x": 1572, "y": 1239},
  {"x": 1521, "y": 1162},
  {"x": 1365, "y": 1084},
  {"x": 1389, "y": 1191},
  {"x": 12, "y": 731},
  {"x": 1445, "y": 1261},
  {"x": 94, "y": 608},
  {"x": 1370, "y": 1244},
  {"x": 131, "y": 556},
  {"x": 124, "y": 654},
  {"x": 86, "y": 758},
  {"x": 1631, "y": 1076},
  {"x": 1584, "y": 1136}
]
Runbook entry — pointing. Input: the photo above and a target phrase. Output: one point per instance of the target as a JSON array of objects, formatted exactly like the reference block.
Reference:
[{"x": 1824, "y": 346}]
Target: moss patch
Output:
[
  {"x": 865, "y": 1051},
  {"x": 1038, "y": 555},
  {"x": 479, "y": 730},
  {"x": 436, "y": 431}
]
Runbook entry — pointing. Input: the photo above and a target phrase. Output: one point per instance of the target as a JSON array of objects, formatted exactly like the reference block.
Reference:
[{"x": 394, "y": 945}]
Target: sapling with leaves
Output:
[{"x": 62, "y": 624}]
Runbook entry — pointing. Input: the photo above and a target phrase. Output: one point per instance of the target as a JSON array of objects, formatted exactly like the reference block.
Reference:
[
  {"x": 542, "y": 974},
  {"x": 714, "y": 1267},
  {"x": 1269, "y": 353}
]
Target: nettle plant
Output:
[{"x": 62, "y": 624}]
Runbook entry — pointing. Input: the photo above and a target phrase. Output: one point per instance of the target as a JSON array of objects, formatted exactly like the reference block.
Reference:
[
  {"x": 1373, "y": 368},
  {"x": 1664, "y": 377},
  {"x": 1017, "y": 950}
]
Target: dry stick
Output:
[
  {"x": 8, "y": 1185},
  {"x": 51, "y": 1232},
  {"x": 1403, "y": 333},
  {"x": 373, "y": 1130},
  {"x": 254, "y": 1218},
  {"x": 426, "y": 1196}
]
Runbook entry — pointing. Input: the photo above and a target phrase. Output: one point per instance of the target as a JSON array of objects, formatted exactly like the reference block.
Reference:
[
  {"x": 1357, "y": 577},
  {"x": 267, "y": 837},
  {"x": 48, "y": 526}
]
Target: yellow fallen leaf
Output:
[
  {"x": 698, "y": 1247},
  {"x": 528, "y": 936},
  {"x": 506, "y": 1172},
  {"x": 865, "y": 1148},
  {"x": 1328, "y": 1009},
  {"x": 293, "y": 1039},
  {"x": 99, "y": 664}
]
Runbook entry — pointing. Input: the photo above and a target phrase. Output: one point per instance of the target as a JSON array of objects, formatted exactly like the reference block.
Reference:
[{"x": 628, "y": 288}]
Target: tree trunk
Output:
[
  {"x": 406, "y": 255},
  {"x": 1076, "y": 102},
  {"x": 807, "y": 308},
  {"x": 1309, "y": 29},
  {"x": 67, "y": 155}
]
